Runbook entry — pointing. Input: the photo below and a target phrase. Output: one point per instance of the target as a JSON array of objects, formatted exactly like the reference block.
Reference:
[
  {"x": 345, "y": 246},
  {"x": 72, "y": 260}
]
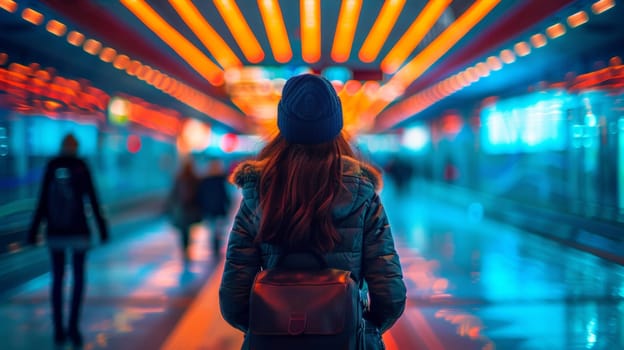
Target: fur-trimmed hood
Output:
[{"x": 250, "y": 170}]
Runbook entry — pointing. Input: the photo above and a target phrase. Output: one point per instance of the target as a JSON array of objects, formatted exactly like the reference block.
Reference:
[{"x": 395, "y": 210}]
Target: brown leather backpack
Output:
[{"x": 305, "y": 308}]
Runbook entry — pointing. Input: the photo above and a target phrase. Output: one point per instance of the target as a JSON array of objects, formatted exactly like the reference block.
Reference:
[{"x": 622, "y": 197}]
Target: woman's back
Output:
[
  {"x": 307, "y": 192},
  {"x": 348, "y": 210}
]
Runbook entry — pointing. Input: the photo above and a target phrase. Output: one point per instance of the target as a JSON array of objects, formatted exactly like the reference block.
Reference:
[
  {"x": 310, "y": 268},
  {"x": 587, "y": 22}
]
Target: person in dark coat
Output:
[
  {"x": 307, "y": 191},
  {"x": 400, "y": 170},
  {"x": 182, "y": 204},
  {"x": 215, "y": 202},
  {"x": 66, "y": 184}
]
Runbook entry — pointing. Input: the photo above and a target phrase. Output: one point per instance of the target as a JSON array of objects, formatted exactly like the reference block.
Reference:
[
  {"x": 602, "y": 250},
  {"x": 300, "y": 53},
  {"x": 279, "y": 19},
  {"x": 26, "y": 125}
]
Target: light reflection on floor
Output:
[
  {"x": 505, "y": 289},
  {"x": 134, "y": 291}
]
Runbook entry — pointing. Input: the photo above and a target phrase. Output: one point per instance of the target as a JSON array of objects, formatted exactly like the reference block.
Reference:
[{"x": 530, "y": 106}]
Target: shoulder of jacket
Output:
[
  {"x": 361, "y": 169},
  {"x": 246, "y": 171}
]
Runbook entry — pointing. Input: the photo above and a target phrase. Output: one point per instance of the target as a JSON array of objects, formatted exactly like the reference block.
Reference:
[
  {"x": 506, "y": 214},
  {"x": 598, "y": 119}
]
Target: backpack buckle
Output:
[{"x": 296, "y": 323}]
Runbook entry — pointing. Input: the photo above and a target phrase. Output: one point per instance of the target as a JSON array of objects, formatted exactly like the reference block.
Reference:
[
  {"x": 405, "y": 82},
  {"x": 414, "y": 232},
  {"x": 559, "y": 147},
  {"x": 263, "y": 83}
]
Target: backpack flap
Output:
[{"x": 308, "y": 302}]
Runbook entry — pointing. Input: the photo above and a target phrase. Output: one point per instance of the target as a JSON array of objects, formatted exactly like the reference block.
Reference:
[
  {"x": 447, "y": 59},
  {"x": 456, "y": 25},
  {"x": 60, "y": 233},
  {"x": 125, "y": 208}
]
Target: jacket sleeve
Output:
[
  {"x": 242, "y": 262},
  {"x": 382, "y": 269},
  {"x": 41, "y": 210}
]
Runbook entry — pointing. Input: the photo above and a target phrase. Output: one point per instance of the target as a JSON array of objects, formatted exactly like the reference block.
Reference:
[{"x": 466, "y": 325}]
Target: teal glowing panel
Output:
[{"x": 530, "y": 123}]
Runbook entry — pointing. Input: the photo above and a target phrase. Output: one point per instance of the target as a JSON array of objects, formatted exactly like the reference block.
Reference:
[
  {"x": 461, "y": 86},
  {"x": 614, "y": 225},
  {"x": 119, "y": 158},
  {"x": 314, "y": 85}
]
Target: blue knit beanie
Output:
[{"x": 310, "y": 111}]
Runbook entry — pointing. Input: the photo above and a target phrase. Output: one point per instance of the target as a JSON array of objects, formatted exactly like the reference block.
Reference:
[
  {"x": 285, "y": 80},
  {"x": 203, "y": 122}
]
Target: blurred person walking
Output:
[
  {"x": 66, "y": 185},
  {"x": 307, "y": 192},
  {"x": 182, "y": 205},
  {"x": 215, "y": 202},
  {"x": 400, "y": 171}
]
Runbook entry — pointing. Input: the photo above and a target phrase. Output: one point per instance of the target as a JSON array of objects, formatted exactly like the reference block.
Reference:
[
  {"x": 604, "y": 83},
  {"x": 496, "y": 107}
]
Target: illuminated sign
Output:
[{"x": 525, "y": 124}]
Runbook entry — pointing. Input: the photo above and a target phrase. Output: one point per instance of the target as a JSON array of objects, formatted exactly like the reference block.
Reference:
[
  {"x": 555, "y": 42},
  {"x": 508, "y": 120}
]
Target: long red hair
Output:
[{"x": 298, "y": 185}]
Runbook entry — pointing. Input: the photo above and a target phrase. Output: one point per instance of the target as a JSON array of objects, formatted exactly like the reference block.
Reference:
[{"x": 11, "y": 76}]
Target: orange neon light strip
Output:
[
  {"x": 143, "y": 72},
  {"x": 55, "y": 27},
  {"x": 507, "y": 56},
  {"x": 494, "y": 63},
  {"x": 108, "y": 54},
  {"x": 577, "y": 19},
  {"x": 92, "y": 46},
  {"x": 522, "y": 48},
  {"x": 473, "y": 74},
  {"x": 32, "y": 16},
  {"x": 134, "y": 67},
  {"x": 463, "y": 79},
  {"x": 602, "y": 5},
  {"x": 185, "y": 49},
  {"x": 555, "y": 30},
  {"x": 239, "y": 28},
  {"x": 483, "y": 69},
  {"x": 453, "y": 33},
  {"x": 311, "y": 30},
  {"x": 206, "y": 34},
  {"x": 75, "y": 38},
  {"x": 414, "y": 35},
  {"x": 538, "y": 40},
  {"x": 121, "y": 62},
  {"x": 276, "y": 30},
  {"x": 381, "y": 28},
  {"x": 8, "y": 5},
  {"x": 345, "y": 29}
]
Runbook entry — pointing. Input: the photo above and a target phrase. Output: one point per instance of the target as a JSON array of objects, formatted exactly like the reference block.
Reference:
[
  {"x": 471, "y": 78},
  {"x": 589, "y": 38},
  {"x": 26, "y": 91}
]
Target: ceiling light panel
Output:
[
  {"x": 241, "y": 31},
  {"x": 380, "y": 30},
  {"x": 276, "y": 30},
  {"x": 185, "y": 49},
  {"x": 345, "y": 29},
  {"x": 222, "y": 53},
  {"x": 414, "y": 35},
  {"x": 438, "y": 47},
  {"x": 311, "y": 30}
]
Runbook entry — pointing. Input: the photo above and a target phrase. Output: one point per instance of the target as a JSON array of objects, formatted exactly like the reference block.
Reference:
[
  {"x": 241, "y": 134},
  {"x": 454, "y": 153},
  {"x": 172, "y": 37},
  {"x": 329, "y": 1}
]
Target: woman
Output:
[{"x": 306, "y": 191}]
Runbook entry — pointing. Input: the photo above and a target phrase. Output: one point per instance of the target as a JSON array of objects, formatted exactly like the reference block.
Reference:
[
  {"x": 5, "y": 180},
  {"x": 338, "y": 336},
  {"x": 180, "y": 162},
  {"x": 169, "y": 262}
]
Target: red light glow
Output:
[
  {"x": 229, "y": 142},
  {"x": 133, "y": 143}
]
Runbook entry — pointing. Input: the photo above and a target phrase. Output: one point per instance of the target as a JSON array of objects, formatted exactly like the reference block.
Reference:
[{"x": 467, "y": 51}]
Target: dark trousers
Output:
[
  {"x": 58, "y": 258},
  {"x": 185, "y": 238}
]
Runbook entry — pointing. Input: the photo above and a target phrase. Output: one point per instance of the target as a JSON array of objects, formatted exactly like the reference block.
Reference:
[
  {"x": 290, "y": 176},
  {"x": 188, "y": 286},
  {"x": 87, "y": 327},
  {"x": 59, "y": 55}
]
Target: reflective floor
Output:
[
  {"x": 476, "y": 284},
  {"x": 472, "y": 284}
]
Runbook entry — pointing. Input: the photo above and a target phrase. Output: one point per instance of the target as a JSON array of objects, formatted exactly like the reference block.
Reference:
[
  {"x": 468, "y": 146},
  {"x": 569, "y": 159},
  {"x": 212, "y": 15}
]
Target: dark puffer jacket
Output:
[
  {"x": 82, "y": 184},
  {"x": 367, "y": 247}
]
